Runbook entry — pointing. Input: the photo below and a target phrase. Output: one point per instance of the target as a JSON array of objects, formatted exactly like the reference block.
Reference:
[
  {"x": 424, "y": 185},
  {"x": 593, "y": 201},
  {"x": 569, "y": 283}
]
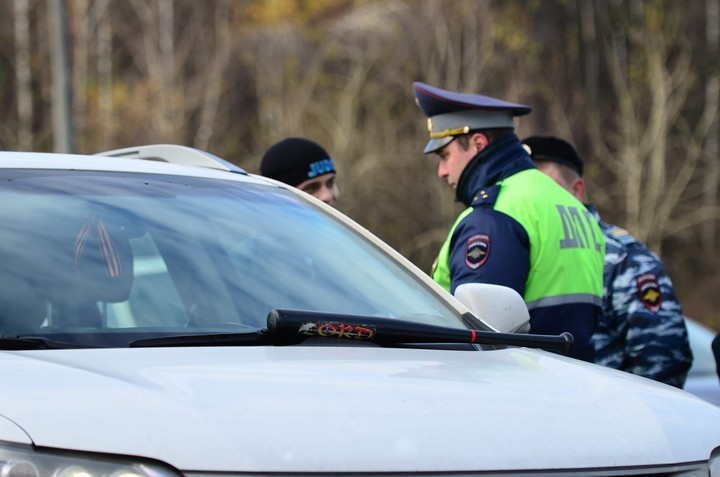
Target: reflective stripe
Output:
[
  {"x": 570, "y": 299},
  {"x": 441, "y": 268}
]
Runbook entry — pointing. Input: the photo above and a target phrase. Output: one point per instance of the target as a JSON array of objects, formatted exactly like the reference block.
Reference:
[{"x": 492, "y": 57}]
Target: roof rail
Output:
[{"x": 174, "y": 154}]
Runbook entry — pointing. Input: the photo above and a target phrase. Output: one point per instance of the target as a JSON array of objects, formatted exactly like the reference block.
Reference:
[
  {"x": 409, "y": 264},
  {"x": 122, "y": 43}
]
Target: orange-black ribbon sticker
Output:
[{"x": 107, "y": 249}]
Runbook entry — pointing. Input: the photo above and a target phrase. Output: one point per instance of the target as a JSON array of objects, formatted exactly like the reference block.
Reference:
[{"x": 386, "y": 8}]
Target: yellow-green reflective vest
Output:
[{"x": 566, "y": 245}]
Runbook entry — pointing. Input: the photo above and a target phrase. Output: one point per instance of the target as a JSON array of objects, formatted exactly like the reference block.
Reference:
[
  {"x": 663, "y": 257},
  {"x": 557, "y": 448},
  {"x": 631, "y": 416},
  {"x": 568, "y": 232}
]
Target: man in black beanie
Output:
[{"x": 304, "y": 164}]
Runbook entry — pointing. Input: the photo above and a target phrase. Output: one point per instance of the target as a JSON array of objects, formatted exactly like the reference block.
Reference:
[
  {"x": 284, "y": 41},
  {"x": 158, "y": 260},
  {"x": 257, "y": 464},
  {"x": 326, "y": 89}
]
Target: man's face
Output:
[
  {"x": 322, "y": 187},
  {"x": 453, "y": 159}
]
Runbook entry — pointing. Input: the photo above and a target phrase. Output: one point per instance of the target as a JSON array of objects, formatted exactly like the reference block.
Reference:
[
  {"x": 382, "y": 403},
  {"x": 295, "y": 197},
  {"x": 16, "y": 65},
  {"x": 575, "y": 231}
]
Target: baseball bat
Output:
[{"x": 300, "y": 323}]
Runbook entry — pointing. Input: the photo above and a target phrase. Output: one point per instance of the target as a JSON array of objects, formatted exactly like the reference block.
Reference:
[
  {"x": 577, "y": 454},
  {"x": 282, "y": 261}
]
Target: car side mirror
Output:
[{"x": 500, "y": 307}]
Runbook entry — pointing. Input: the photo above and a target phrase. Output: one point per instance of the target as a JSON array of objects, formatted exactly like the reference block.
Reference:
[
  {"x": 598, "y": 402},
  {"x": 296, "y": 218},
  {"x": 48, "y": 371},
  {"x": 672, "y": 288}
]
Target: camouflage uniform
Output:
[{"x": 642, "y": 330}]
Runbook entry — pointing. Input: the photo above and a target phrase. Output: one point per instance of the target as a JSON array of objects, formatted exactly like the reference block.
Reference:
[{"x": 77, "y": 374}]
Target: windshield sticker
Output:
[
  {"x": 111, "y": 259},
  {"x": 336, "y": 329}
]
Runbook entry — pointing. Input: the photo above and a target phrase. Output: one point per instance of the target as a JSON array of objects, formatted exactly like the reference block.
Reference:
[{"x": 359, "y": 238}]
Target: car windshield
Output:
[{"x": 117, "y": 256}]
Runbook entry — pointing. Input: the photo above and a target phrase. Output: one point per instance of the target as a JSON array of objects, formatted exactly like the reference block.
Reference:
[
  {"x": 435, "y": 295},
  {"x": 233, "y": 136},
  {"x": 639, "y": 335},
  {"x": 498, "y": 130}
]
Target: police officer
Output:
[
  {"x": 642, "y": 328},
  {"x": 304, "y": 164},
  {"x": 520, "y": 229}
]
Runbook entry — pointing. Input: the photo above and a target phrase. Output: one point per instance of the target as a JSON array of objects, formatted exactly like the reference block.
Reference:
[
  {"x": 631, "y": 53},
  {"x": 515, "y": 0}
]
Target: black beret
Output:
[
  {"x": 554, "y": 149},
  {"x": 295, "y": 160}
]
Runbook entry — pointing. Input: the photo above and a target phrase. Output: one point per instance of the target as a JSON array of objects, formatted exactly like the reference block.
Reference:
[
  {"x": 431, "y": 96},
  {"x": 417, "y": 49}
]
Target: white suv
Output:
[{"x": 165, "y": 319}]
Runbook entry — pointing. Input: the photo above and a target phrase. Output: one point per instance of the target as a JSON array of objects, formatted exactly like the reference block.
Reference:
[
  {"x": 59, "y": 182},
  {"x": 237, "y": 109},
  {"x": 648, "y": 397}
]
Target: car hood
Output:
[{"x": 303, "y": 408}]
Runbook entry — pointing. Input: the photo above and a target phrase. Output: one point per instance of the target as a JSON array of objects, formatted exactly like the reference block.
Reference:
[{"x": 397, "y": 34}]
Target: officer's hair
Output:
[
  {"x": 491, "y": 134},
  {"x": 568, "y": 174}
]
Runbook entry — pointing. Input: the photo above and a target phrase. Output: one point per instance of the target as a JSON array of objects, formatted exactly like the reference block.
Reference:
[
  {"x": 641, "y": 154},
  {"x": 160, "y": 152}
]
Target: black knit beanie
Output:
[
  {"x": 295, "y": 160},
  {"x": 554, "y": 149}
]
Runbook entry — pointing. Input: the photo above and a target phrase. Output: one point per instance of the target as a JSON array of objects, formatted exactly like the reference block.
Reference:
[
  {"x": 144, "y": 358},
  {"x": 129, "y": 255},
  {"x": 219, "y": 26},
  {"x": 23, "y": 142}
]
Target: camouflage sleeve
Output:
[{"x": 650, "y": 337}]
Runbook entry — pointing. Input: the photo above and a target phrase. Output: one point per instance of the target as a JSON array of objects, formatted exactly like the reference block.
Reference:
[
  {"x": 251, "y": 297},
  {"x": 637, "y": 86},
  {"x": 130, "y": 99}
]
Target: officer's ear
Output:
[
  {"x": 577, "y": 187},
  {"x": 479, "y": 141}
]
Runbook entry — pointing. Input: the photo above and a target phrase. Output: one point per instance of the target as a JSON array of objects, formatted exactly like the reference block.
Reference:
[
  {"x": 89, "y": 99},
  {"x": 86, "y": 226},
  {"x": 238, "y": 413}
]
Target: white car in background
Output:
[
  {"x": 189, "y": 319},
  {"x": 702, "y": 378}
]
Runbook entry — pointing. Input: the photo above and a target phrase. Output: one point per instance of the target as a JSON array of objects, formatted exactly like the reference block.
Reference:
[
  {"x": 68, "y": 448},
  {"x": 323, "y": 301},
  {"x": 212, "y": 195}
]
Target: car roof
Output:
[{"x": 159, "y": 164}]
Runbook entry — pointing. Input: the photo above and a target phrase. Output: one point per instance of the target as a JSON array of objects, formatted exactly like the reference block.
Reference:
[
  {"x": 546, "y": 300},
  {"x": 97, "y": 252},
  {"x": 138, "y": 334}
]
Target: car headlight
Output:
[{"x": 24, "y": 461}]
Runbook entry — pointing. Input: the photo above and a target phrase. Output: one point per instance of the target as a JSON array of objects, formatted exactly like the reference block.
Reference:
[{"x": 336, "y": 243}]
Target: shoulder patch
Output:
[
  {"x": 617, "y": 233},
  {"x": 477, "y": 250},
  {"x": 648, "y": 289},
  {"x": 486, "y": 196}
]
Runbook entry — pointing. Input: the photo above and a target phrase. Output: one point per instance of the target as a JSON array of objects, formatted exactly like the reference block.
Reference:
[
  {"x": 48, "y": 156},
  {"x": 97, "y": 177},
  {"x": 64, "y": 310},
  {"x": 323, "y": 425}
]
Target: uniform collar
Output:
[
  {"x": 499, "y": 160},
  {"x": 591, "y": 208}
]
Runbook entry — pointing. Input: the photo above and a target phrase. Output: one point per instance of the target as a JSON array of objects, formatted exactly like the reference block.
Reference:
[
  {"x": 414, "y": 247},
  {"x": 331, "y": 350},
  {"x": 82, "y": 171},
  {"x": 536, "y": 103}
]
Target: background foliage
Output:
[{"x": 633, "y": 83}]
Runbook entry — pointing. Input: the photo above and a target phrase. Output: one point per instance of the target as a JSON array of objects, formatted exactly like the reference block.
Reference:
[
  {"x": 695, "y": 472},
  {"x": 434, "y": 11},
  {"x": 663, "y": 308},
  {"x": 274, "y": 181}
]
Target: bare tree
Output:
[
  {"x": 650, "y": 78},
  {"x": 63, "y": 127},
  {"x": 711, "y": 176},
  {"x": 214, "y": 82},
  {"x": 23, "y": 76},
  {"x": 81, "y": 26},
  {"x": 104, "y": 73},
  {"x": 157, "y": 59}
]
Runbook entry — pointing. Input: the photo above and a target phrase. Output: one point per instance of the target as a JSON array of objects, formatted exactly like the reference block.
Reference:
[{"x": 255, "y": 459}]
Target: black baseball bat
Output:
[{"x": 299, "y": 323}]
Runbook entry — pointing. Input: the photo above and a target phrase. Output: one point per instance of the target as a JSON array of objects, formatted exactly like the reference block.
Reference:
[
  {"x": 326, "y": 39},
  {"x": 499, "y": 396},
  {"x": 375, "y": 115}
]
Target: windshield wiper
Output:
[
  {"x": 259, "y": 337},
  {"x": 287, "y": 327},
  {"x": 16, "y": 343},
  {"x": 388, "y": 331}
]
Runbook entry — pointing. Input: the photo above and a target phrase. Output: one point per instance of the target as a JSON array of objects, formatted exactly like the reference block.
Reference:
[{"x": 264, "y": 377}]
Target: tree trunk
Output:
[
  {"x": 711, "y": 178},
  {"x": 23, "y": 76}
]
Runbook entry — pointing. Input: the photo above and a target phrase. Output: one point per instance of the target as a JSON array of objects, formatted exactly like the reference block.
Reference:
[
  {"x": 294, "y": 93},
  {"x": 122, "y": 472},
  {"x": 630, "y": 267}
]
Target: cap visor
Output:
[{"x": 434, "y": 144}]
